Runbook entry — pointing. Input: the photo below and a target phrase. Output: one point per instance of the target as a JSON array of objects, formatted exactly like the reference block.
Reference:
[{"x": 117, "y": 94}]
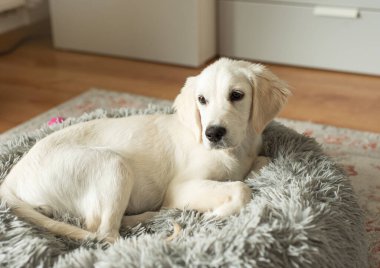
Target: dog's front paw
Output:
[{"x": 237, "y": 196}]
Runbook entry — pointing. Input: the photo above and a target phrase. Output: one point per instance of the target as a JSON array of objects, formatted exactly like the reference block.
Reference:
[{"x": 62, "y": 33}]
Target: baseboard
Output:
[{"x": 10, "y": 39}]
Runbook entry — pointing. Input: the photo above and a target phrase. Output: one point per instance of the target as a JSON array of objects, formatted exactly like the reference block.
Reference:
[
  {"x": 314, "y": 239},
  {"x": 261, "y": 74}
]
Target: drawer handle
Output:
[{"x": 336, "y": 12}]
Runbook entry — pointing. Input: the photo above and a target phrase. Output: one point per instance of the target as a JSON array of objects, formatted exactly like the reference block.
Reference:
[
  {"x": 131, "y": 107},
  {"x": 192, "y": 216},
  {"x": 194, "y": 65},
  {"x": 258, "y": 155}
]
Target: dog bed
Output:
[{"x": 303, "y": 213}]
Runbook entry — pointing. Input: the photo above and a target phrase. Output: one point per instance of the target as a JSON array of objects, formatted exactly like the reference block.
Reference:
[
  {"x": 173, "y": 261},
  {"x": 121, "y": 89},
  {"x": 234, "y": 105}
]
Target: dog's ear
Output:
[
  {"x": 269, "y": 95},
  {"x": 187, "y": 110}
]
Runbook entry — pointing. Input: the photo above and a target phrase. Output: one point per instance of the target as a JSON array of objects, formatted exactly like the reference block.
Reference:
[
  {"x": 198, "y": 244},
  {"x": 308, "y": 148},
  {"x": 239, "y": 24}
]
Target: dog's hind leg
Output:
[
  {"x": 108, "y": 195},
  {"x": 133, "y": 220},
  {"x": 92, "y": 223},
  {"x": 90, "y": 183}
]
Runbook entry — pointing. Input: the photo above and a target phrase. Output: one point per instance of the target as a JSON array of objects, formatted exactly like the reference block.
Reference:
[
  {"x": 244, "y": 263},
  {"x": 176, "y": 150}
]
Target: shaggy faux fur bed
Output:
[{"x": 303, "y": 213}]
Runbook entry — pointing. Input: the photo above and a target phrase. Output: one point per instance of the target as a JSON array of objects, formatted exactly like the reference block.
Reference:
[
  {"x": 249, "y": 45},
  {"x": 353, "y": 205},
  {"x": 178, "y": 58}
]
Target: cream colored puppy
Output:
[{"x": 195, "y": 158}]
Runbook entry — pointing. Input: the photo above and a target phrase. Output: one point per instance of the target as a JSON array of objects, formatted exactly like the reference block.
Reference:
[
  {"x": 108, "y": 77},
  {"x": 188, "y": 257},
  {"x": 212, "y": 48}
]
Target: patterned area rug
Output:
[{"x": 358, "y": 152}]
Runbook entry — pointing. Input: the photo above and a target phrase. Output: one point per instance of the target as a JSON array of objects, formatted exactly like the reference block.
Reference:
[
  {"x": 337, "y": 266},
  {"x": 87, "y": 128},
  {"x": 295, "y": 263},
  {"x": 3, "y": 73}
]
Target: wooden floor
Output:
[{"x": 36, "y": 77}]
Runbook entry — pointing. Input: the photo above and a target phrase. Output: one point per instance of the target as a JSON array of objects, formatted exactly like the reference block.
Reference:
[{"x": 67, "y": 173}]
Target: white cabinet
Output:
[
  {"x": 337, "y": 35},
  {"x": 172, "y": 31}
]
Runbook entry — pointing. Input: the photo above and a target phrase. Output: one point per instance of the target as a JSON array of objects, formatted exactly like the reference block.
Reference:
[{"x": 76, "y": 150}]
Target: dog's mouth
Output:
[{"x": 219, "y": 145}]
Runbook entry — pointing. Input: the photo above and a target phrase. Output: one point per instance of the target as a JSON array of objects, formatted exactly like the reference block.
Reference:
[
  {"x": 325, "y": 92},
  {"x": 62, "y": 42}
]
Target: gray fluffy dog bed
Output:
[{"x": 303, "y": 213}]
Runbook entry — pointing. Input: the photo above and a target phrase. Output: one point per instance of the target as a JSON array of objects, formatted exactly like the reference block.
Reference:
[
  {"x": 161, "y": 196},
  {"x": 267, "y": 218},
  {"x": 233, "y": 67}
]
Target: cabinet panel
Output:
[{"x": 293, "y": 34}]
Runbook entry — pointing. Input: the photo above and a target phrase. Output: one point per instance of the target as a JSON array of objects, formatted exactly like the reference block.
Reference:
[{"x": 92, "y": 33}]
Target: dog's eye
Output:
[
  {"x": 236, "y": 95},
  {"x": 202, "y": 100}
]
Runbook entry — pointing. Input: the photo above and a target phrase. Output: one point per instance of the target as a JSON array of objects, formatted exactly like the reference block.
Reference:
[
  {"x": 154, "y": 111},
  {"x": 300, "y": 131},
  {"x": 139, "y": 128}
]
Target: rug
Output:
[{"x": 357, "y": 152}]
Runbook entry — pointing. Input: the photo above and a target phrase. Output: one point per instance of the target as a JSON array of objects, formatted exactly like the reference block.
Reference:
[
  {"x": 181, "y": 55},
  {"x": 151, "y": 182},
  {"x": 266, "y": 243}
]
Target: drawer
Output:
[{"x": 292, "y": 34}]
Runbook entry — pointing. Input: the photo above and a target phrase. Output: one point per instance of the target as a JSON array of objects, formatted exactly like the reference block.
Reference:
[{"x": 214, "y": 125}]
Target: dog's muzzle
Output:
[{"x": 215, "y": 133}]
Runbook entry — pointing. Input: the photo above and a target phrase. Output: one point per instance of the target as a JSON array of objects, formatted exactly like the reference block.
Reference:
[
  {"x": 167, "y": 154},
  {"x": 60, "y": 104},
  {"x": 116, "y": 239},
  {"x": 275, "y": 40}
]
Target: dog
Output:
[{"x": 111, "y": 172}]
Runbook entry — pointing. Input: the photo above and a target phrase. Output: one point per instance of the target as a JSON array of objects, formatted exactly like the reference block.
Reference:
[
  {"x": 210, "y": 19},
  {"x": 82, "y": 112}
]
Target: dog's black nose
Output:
[{"x": 215, "y": 133}]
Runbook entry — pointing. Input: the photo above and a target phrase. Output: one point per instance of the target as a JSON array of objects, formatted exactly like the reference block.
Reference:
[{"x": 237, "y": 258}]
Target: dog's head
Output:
[{"x": 229, "y": 99}]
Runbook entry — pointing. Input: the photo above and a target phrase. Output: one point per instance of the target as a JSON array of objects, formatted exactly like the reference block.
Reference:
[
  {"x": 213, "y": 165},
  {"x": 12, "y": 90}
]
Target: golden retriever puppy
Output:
[{"x": 196, "y": 158}]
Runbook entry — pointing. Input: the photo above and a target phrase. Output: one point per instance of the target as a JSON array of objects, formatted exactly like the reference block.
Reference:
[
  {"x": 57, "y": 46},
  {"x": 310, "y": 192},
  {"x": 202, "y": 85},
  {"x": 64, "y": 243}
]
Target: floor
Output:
[{"x": 37, "y": 77}]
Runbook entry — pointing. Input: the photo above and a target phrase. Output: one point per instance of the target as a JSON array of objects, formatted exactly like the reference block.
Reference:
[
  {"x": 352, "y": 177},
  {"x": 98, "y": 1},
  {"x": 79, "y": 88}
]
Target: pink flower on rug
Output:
[
  {"x": 119, "y": 103},
  {"x": 371, "y": 226},
  {"x": 350, "y": 169},
  {"x": 56, "y": 120},
  {"x": 308, "y": 133},
  {"x": 335, "y": 139},
  {"x": 86, "y": 106},
  {"x": 376, "y": 166},
  {"x": 371, "y": 145}
]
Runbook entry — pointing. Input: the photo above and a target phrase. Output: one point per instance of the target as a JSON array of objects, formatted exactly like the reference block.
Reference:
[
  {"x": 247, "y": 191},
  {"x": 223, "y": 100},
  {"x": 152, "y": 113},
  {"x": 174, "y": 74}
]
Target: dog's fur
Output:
[{"x": 103, "y": 169}]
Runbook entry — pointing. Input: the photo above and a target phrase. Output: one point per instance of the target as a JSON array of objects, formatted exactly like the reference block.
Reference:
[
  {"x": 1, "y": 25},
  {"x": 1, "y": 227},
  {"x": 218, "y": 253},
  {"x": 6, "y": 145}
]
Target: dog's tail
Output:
[{"x": 25, "y": 211}]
